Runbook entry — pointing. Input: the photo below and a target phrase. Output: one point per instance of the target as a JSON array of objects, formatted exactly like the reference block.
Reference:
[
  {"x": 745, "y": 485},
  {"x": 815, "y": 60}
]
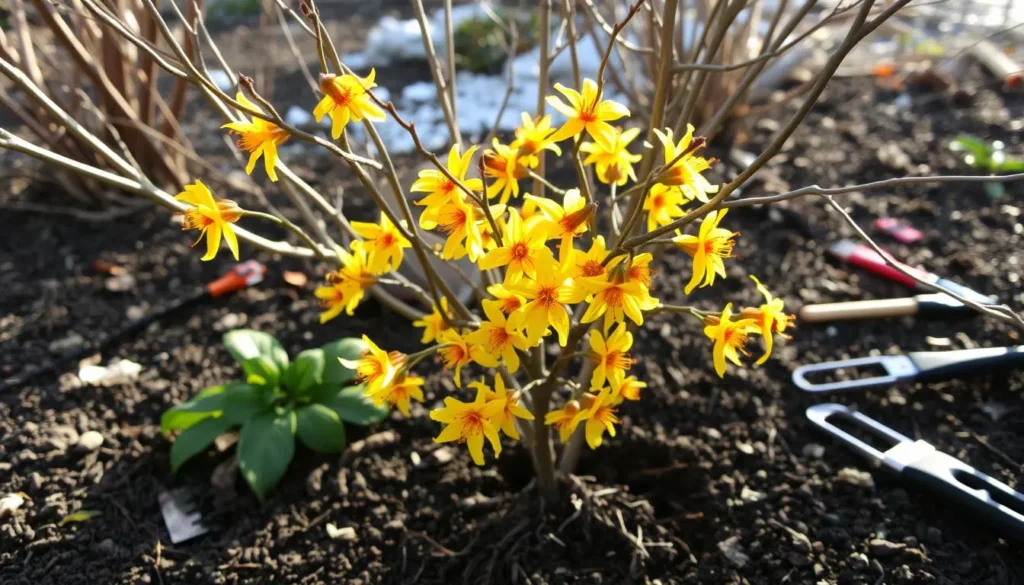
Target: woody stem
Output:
[{"x": 543, "y": 459}]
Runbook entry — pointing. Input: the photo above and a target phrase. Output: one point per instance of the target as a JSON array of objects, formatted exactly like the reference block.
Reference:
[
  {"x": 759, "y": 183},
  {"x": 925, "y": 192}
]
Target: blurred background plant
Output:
[{"x": 99, "y": 78}]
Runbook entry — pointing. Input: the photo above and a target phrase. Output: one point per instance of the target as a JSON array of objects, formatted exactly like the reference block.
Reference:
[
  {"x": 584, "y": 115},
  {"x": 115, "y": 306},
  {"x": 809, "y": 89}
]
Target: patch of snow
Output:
[
  {"x": 392, "y": 39},
  {"x": 221, "y": 79},
  {"x": 298, "y": 117},
  {"x": 356, "y": 61},
  {"x": 421, "y": 91},
  {"x": 478, "y": 97}
]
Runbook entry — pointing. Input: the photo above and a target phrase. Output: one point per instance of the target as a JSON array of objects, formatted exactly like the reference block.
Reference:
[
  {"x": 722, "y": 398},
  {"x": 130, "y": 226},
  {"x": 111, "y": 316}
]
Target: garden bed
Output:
[{"x": 723, "y": 481}]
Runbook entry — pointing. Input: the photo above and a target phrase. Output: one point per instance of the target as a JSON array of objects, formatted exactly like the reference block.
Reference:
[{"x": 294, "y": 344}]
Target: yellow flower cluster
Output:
[
  {"x": 547, "y": 272},
  {"x": 379, "y": 252}
]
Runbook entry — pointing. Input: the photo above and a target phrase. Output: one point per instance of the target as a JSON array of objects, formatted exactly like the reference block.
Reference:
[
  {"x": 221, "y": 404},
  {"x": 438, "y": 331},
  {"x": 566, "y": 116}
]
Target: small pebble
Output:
[
  {"x": 733, "y": 552},
  {"x": 347, "y": 533},
  {"x": 882, "y": 548},
  {"x": 813, "y": 450},
  {"x": 856, "y": 477},
  {"x": 9, "y": 503},
  {"x": 107, "y": 547},
  {"x": 858, "y": 561},
  {"x": 90, "y": 441},
  {"x": 70, "y": 343},
  {"x": 443, "y": 455}
]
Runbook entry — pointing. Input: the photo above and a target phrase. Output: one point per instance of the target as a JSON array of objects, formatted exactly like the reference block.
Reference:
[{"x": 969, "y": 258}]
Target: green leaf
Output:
[
  {"x": 320, "y": 428},
  {"x": 305, "y": 373},
  {"x": 245, "y": 344},
  {"x": 79, "y": 516},
  {"x": 241, "y": 402},
  {"x": 261, "y": 371},
  {"x": 1011, "y": 165},
  {"x": 335, "y": 373},
  {"x": 265, "y": 448},
  {"x": 979, "y": 150},
  {"x": 353, "y": 406},
  {"x": 198, "y": 408},
  {"x": 196, "y": 439}
]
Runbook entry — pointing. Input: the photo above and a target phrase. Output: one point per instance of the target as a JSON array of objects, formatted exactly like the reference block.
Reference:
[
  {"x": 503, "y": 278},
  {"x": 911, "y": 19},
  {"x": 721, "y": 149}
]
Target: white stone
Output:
[
  {"x": 90, "y": 441},
  {"x": 9, "y": 503}
]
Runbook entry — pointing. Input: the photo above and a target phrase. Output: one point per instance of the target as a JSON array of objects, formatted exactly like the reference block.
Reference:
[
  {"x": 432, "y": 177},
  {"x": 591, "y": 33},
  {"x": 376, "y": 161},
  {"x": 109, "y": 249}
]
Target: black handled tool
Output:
[
  {"x": 921, "y": 464},
  {"x": 919, "y": 366}
]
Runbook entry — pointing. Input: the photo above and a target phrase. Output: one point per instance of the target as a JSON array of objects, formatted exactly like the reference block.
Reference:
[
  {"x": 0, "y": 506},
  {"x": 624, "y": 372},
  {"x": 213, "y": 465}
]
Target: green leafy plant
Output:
[
  {"x": 310, "y": 397},
  {"x": 482, "y": 44},
  {"x": 989, "y": 156}
]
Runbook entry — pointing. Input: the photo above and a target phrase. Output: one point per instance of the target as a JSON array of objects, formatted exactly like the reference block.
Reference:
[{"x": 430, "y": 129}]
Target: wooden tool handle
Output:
[{"x": 858, "y": 310}]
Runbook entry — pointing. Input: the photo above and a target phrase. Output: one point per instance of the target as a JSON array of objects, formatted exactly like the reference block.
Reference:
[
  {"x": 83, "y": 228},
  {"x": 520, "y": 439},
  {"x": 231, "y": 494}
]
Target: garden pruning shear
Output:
[
  {"x": 919, "y": 463},
  {"x": 918, "y": 366}
]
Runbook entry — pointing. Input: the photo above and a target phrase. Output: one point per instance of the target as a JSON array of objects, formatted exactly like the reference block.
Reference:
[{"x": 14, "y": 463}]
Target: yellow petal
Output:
[
  {"x": 212, "y": 241},
  {"x": 270, "y": 160},
  {"x": 232, "y": 239},
  {"x": 476, "y": 448}
]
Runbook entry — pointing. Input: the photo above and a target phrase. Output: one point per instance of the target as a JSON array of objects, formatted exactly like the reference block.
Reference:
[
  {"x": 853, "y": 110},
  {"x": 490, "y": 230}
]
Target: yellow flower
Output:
[
  {"x": 347, "y": 97},
  {"x": 599, "y": 412},
  {"x": 534, "y": 137},
  {"x": 399, "y": 391},
  {"x": 457, "y": 353},
  {"x": 729, "y": 337},
  {"x": 505, "y": 420},
  {"x": 529, "y": 211},
  {"x": 499, "y": 337},
  {"x": 639, "y": 269},
  {"x": 434, "y": 324},
  {"x": 630, "y": 388},
  {"x": 502, "y": 164},
  {"x": 547, "y": 293},
  {"x": 375, "y": 367},
  {"x": 520, "y": 251},
  {"x": 332, "y": 300},
  {"x": 586, "y": 111},
  {"x": 354, "y": 276},
  {"x": 509, "y": 301},
  {"x": 686, "y": 172},
  {"x": 610, "y": 356},
  {"x": 708, "y": 248},
  {"x": 440, "y": 189},
  {"x": 212, "y": 217},
  {"x": 663, "y": 204},
  {"x": 768, "y": 319},
  {"x": 565, "y": 221},
  {"x": 588, "y": 264},
  {"x": 564, "y": 419},
  {"x": 386, "y": 243},
  {"x": 259, "y": 138},
  {"x": 470, "y": 422},
  {"x": 465, "y": 224},
  {"x": 614, "y": 161},
  {"x": 615, "y": 297}
]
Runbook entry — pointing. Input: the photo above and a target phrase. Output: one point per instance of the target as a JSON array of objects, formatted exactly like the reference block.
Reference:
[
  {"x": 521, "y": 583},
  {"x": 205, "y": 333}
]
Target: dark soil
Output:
[{"x": 723, "y": 481}]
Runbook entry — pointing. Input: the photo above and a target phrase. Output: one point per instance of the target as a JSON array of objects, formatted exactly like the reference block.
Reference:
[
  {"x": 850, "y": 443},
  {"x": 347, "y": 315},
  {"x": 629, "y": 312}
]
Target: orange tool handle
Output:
[{"x": 239, "y": 277}]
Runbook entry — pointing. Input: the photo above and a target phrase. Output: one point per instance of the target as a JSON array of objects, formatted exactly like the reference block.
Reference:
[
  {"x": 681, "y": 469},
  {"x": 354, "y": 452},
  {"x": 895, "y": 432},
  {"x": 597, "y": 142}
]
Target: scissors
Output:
[
  {"x": 918, "y": 366},
  {"x": 921, "y": 464}
]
